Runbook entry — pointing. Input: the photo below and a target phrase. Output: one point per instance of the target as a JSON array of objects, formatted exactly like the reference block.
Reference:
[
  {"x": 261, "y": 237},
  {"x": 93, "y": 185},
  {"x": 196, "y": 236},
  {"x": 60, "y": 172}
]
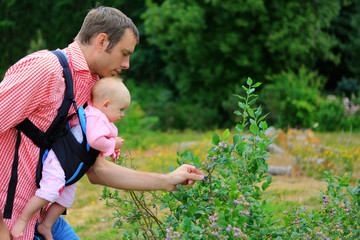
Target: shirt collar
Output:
[
  {"x": 77, "y": 61},
  {"x": 76, "y": 57}
]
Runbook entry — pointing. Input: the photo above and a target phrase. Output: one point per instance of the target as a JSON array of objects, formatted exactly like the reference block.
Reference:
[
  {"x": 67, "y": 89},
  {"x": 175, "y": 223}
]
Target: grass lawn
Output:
[{"x": 92, "y": 219}]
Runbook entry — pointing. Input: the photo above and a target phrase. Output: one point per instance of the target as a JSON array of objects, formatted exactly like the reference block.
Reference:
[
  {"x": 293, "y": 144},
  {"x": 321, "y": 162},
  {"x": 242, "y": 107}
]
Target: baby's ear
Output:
[{"x": 106, "y": 103}]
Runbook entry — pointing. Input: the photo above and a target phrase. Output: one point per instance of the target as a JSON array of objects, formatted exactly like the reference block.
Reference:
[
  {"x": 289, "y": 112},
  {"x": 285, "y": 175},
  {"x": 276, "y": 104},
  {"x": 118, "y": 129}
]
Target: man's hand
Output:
[
  {"x": 4, "y": 231},
  {"x": 184, "y": 175}
]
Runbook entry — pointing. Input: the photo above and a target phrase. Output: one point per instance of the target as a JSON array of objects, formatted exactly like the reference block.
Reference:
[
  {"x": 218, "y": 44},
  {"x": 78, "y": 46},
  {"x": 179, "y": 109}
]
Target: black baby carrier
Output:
[{"x": 75, "y": 158}]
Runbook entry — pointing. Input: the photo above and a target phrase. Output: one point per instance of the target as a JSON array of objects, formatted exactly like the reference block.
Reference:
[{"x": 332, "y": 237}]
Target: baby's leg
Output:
[
  {"x": 52, "y": 214},
  {"x": 51, "y": 186},
  {"x": 65, "y": 200},
  {"x": 33, "y": 206}
]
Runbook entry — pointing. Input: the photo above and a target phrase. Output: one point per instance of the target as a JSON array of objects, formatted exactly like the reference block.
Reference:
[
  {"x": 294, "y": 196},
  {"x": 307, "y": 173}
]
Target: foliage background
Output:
[{"x": 194, "y": 55}]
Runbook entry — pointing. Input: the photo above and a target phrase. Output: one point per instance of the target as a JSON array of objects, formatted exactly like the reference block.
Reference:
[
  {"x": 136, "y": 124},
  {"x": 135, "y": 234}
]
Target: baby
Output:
[{"x": 109, "y": 99}]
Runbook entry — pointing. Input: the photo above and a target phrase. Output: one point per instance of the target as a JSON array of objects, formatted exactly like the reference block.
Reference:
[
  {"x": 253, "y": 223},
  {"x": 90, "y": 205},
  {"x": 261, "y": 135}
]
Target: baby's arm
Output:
[
  {"x": 106, "y": 145},
  {"x": 100, "y": 137}
]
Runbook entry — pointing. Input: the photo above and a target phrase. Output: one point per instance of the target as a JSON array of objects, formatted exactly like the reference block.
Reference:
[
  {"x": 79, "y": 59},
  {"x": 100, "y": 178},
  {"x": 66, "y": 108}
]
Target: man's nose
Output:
[{"x": 125, "y": 64}]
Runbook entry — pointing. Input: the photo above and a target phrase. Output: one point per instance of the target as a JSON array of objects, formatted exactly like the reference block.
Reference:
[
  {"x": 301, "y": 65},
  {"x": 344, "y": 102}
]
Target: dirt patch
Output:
[{"x": 297, "y": 189}]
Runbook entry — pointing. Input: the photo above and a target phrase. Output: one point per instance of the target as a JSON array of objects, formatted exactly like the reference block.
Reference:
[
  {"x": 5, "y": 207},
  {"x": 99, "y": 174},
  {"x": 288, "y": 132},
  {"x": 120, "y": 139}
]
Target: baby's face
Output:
[{"x": 115, "y": 109}]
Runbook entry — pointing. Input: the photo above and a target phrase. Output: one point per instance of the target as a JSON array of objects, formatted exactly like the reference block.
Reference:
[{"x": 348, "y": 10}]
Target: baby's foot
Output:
[
  {"x": 18, "y": 229},
  {"x": 45, "y": 231}
]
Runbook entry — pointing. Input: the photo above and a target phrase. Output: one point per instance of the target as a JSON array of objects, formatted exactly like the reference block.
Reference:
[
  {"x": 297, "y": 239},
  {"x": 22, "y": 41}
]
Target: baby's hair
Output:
[{"x": 104, "y": 88}]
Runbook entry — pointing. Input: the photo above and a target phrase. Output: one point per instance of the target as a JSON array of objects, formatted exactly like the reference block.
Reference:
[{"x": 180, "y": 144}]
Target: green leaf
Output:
[
  {"x": 258, "y": 112},
  {"x": 242, "y": 98},
  {"x": 251, "y": 112},
  {"x": 252, "y": 101},
  {"x": 249, "y": 81},
  {"x": 241, "y": 105},
  {"x": 226, "y": 133},
  {"x": 216, "y": 139},
  {"x": 198, "y": 214},
  {"x": 195, "y": 229},
  {"x": 217, "y": 202},
  {"x": 238, "y": 113},
  {"x": 223, "y": 173},
  {"x": 263, "y": 125},
  {"x": 186, "y": 224},
  {"x": 196, "y": 161},
  {"x": 264, "y": 186},
  {"x": 262, "y": 146},
  {"x": 256, "y": 84},
  {"x": 193, "y": 209},
  {"x": 286, "y": 220},
  {"x": 254, "y": 129},
  {"x": 269, "y": 179},
  {"x": 236, "y": 139},
  {"x": 178, "y": 161},
  {"x": 239, "y": 128}
]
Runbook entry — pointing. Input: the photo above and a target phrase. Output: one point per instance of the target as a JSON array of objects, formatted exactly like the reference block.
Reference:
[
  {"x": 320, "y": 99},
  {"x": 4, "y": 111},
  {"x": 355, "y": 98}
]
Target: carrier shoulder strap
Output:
[{"x": 41, "y": 139}]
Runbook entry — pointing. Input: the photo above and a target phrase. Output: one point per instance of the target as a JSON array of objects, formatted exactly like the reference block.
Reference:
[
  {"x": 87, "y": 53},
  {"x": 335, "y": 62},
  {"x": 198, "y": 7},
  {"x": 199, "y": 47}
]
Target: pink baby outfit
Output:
[{"x": 100, "y": 134}]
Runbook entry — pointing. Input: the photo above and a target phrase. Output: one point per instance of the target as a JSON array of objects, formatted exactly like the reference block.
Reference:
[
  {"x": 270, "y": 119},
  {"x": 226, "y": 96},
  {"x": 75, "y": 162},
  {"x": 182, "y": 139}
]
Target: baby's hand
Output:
[
  {"x": 118, "y": 142},
  {"x": 117, "y": 154}
]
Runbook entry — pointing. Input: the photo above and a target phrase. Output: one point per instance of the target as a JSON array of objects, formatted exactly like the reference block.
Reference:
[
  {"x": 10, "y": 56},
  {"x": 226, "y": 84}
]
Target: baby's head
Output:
[{"x": 110, "y": 96}]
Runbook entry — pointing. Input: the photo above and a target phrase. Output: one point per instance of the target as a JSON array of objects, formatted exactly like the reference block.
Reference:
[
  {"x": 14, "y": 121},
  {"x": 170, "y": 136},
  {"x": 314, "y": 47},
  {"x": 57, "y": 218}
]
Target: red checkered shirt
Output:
[{"x": 33, "y": 88}]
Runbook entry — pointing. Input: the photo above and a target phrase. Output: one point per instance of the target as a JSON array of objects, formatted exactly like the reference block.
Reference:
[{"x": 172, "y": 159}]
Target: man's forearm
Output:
[
  {"x": 4, "y": 231},
  {"x": 109, "y": 174}
]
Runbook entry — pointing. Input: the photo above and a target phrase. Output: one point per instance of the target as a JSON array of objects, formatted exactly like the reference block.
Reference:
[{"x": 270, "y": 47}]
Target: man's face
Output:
[{"x": 111, "y": 63}]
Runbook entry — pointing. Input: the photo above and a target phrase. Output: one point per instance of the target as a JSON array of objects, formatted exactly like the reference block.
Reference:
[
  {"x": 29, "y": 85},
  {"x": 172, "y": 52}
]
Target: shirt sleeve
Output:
[
  {"x": 23, "y": 89},
  {"x": 99, "y": 135}
]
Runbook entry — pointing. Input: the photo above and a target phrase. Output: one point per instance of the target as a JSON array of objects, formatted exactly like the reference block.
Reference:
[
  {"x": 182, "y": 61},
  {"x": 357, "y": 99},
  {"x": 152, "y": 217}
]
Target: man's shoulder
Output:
[{"x": 40, "y": 61}]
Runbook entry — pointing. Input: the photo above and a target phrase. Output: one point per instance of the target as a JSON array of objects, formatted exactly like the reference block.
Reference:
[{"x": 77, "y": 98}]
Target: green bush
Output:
[
  {"x": 292, "y": 98},
  {"x": 330, "y": 114},
  {"x": 135, "y": 120},
  {"x": 352, "y": 123},
  {"x": 230, "y": 202}
]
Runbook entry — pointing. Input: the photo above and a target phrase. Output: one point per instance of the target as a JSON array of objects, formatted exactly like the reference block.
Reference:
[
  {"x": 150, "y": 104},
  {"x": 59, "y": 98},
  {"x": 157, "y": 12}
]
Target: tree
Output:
[
  {"x": 17, "y": 28},
  {"x": 209, "y": 46},
  {"x": 345, "y": 27}
]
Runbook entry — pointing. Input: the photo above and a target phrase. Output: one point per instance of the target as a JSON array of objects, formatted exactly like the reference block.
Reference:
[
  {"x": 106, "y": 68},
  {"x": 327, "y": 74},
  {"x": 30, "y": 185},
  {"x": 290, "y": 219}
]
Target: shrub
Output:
[
  {"x": 136, "y": 121},
  {"x": 230, "y": 202},
  {"x": 292, "y": 97},
  {"x": 330, "y": 114},
  {"x": 352, "y": 114}
]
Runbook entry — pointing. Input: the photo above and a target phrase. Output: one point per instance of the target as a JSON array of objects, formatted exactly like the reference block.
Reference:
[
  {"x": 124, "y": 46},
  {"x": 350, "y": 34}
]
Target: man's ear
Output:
[{"x": 101, "y": 41}]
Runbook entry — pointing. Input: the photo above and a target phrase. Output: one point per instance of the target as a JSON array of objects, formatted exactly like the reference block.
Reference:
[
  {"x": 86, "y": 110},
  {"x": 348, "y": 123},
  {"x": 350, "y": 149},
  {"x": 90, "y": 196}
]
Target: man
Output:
[{"x": 33, "y": 88}]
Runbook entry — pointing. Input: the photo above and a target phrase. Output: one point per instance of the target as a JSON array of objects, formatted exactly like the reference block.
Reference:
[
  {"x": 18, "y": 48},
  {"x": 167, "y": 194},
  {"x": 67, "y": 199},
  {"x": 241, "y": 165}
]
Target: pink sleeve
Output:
[{"x": 99, "y": 136}]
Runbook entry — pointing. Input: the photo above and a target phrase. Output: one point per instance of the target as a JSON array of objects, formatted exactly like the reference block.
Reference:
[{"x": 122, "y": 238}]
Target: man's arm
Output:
[
  {"x": 109, "y": 174},
  {"x": 4, "y": 231}
]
